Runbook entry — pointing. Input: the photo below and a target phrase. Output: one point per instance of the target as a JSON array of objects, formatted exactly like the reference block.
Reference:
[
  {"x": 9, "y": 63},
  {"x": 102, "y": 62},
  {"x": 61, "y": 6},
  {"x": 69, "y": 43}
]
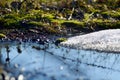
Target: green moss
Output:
[
  {"x": 11, "y": 23},
  {"x": 97, "y": 20},
  {"x": 50, "y": 16},
  {"x": 12, "y": 16},
  {"x": 108, "y": 25},
  {"x": 47, "y": 17},
  {"x": 29, "y": 17},
  {"x": 87, "y": 16},
  {"x": 112, "y": 14},
  {"x": 107, "y": 18},
  {"x": 74, "y": 24},
  {"x": 35, "y": 23},
  {"x": 51, "y": 30},
  {"x": 46, "y": 28},
  {"x": 59, "y": 40},
  {"x": 62, "y": 39},
  {"x": 2, "y": 35},
  {"x": 90, "y": 9}
]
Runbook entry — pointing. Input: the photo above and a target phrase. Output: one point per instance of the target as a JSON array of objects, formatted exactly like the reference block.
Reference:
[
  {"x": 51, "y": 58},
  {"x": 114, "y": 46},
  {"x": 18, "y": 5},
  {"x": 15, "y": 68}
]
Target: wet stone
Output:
[{"x": 20, "y": 77}]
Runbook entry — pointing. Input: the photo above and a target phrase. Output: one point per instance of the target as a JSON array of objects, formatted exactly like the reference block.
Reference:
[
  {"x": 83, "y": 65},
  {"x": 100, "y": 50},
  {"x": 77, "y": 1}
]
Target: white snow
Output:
[{"x": 105, "y": 40}]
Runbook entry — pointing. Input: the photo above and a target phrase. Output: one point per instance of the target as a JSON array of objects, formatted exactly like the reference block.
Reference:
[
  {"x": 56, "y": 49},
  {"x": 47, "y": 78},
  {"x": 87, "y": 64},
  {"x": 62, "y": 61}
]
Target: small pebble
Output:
[
  {"x": 22, "y": 69},
  {"x": 12, "y": 78},
  {"x": 20, "y": 77},
  {"x": 16, "y": 65}
]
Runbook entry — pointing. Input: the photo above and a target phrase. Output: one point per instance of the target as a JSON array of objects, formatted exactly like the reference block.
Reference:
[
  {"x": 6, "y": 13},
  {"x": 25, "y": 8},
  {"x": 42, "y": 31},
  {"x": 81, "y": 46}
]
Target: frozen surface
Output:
[
  {"x": 60, "y": 63},
  {"x": 105, "y": 40}
]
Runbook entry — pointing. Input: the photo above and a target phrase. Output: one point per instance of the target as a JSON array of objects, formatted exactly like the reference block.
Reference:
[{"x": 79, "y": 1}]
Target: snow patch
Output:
[{"x": 105, "y": 40}]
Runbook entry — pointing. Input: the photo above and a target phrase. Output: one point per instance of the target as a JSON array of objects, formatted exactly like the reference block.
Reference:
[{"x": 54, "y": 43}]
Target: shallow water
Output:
[{"x": 59, "y": 63}]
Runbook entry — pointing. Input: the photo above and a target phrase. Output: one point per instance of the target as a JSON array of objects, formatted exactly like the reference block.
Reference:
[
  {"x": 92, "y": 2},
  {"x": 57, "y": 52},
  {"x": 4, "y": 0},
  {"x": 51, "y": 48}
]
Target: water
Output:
[{"x": 35, "y": 62}]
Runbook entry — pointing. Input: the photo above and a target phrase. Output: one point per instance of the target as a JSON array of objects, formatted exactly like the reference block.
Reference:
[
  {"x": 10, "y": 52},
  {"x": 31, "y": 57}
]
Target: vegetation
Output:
[
  {"x": 59, "y": 40},
  {"x": 2, "y": 35},
  {"x": 53, "y": 16}
]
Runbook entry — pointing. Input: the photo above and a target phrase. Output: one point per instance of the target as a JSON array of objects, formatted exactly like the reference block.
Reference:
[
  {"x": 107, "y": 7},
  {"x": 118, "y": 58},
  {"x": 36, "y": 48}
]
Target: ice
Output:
[
  {"x": 59, "y": 63},
  {"x": 105, "y": 40}
]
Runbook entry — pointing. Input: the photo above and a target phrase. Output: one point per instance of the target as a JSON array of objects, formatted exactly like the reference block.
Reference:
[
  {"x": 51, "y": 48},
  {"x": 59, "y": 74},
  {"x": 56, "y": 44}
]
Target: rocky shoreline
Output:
[{"x": 25, "y": 36}]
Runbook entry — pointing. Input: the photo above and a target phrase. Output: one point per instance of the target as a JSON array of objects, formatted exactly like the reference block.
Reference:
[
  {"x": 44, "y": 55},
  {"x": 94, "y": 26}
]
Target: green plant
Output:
[
  {"x": 2, "y": 35},
  {"x": 12, "y": 16},
  {"x": 113, "y": 14},
  {"x": 62, "y": 39},
  {"x": 11, "y": 23},
  {"x": 73, "y": 24},
  {"x": 35, "y": 23},
  {"x": 107, "y": 25},
  {"x": 59, "y": 40}
]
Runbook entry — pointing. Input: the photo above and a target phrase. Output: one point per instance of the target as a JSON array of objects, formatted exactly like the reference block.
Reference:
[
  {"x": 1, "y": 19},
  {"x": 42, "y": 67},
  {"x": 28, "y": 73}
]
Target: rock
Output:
[
  {"x": 16, "y": 65},
  {"x": 20, "y": 77},
  {"x": 12, "y": 78},
  {"x": 4, "y": 75},
  {"x": 105, "y": 40}
]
